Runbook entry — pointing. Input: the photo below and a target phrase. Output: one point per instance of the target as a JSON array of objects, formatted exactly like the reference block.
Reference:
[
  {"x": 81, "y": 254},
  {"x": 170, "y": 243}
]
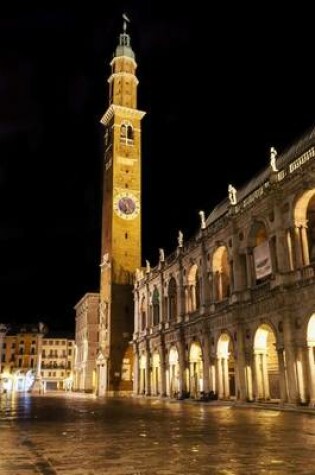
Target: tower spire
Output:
[{"x": 124, "y": 46}]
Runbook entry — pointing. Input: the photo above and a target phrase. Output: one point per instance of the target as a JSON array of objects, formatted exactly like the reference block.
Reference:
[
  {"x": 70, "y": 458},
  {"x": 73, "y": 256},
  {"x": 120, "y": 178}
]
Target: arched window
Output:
[
  {"x": 126, "y": 133},
  {"x": 311, "y": 228},
  {"x": 221, "y": 272},
  {"x": 193, "y": 289},
  {"x": 172, "y": 299},
  {"x": 143, "y": 314},
  {"x": 156, "y": 306}
]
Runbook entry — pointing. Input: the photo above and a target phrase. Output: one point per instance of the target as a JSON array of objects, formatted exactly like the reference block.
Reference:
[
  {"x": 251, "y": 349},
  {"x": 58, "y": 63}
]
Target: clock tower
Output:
[{"x": 121, "y": 222}]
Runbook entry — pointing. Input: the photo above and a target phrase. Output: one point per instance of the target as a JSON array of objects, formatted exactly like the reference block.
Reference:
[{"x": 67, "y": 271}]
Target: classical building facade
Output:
[
  {"x": 231, "y": 313},
  {"x": 32, "y": 360},
  {"x": 86, "y": 342}
]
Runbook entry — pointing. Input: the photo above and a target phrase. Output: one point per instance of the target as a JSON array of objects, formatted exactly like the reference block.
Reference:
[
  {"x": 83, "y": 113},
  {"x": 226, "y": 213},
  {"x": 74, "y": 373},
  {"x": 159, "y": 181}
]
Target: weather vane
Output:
[{"x": 126, "y": 20}]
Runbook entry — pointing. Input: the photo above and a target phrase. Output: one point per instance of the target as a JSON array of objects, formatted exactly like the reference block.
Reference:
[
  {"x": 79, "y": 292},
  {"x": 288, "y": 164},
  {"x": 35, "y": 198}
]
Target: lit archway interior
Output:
[
  {"x": 155, "y": 374},
  {"x": 173, "y": 372},
  {"x": 226, "y": 367},
  {"x": 221, "y": 272},
  {"x": 195, "y": 370},
  {"x": 266, "y": 363}
]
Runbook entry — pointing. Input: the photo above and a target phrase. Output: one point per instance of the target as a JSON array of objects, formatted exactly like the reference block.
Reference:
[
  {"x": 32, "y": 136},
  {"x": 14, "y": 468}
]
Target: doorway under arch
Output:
[
  {"x": 266, "y": 363},
  {"x": 225, "y": 367},
  {"x": 173, "y": 372},
  {"x": 195, "y": 370}
]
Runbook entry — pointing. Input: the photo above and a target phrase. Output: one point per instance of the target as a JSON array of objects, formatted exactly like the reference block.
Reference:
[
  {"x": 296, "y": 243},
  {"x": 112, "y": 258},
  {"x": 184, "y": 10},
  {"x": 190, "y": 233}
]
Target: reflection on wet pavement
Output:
[{"x": 78, "y": 435}]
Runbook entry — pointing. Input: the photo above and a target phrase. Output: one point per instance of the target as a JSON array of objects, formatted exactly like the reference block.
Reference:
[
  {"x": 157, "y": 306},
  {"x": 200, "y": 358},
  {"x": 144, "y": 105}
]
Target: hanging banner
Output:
[{"x": 262, "y": 260}]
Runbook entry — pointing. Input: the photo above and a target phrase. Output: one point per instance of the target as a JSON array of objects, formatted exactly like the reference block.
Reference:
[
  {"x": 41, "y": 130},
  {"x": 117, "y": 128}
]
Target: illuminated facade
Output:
[
  {"x": 29, "y": 362},
  {"x": 231, "y": 313},
  {"x": 57, "y": 363},
  {"x": 86, "y": 342},
  {"x": 121, "y": 223}
]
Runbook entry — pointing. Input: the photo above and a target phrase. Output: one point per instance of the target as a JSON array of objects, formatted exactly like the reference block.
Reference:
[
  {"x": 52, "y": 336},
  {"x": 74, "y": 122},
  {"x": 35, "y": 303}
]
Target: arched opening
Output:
[
  {"x": 172, "y": 299},
  {"x": 143, "y": 314},
  {"x": 193, "y": 289},
  {"x": 221, "y": 272},
  {"x": 225, "y": 367},
  {"x": 266, "y": 364},
  {"x": 173, "y": 372},
  {"x": 156, "y": 306},
  {"x": 195, "y": 370},
  {"x": 261, "y": 255},
  {"x": 155, "y": 374}
]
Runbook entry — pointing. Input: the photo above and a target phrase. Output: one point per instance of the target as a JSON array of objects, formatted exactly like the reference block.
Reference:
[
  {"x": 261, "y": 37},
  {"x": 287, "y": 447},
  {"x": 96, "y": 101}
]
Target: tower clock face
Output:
[{"x": 126, "y": 205}]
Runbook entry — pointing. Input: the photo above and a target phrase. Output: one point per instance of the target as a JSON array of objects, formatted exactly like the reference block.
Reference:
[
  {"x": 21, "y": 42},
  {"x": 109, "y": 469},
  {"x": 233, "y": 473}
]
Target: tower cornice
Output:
[
  {"x": 128, "y": 58},
  {"x": 125, "y": 112}
]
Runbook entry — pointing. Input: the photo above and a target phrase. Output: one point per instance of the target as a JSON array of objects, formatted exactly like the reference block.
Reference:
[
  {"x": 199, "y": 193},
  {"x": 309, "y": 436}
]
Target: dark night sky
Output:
[{"x": 219, "y": 90}]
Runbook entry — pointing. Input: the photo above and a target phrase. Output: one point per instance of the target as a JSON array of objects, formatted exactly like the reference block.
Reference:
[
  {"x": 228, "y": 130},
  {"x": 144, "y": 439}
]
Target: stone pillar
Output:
[
  {"x": 257, "y": 379},
  {"x": 205, "y": 288},
  {"x": 137, "y": 324},
  {"x": 241, "y": 382},
  {"x": 298, "y": 247},
  {"x": 249, "y": 382},
  {"x": 181, "y": 309},
  {"x": 300, "y": 375},
  {"x": 181, "y": 368},
  {"x": 304, "y": 242},
  {"x": 136, "y": 379},
  {"x": 205, "y": 366},
  {"x": 219, "y": 377},
  {"x": 265, "y": 376},
  {"x": 162, "y": 382},
  {"x": 311, "y": 373},
  {"x": 290, "y": 250},
  {"x": 148, "y": 373},
  {"x": 290, "y": 361},
  {"x": 192, "y": 292},
  {"x": 282, "y": 376},
  {"x": 249, "y": 268},
  {"x": 225, "y": 371}
]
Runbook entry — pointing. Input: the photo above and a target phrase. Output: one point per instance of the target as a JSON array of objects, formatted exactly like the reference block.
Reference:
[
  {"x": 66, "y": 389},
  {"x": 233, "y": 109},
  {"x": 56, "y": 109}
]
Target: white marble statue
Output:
[
  {"x": 202, "y": 219},
  {"x": 232, "y": 194},
  {"x": 180, "y": 239},
  {"x": 273, "y": 159},
  {"x": 147, "y": 267},
  {"x": 161, "y": 255}
]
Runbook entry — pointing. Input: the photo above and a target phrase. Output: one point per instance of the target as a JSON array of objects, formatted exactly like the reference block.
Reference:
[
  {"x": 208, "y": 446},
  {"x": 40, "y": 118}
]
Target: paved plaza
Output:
[{"x": 72, "y": 434}]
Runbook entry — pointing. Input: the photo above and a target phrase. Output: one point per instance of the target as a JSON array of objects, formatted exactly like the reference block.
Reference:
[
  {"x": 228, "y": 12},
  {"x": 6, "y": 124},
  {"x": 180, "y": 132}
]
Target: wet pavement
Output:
[{"x": 81, "y": 435}]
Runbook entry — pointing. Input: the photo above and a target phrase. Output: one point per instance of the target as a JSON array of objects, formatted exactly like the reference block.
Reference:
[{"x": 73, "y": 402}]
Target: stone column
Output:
[
  {"x": 282, "y": 376},
  {"x": 304, "y": 242},
  {"x": 290, "y": 250},
  {"x": 205, "y": 366},
  {"x": 290, "y": 361},
  {"x": 181, "y": 291},
  {"x": 205, "y": 288},
  {"x": 311, "y": 373},
  {"x": 37, "y": 386},
  {"x": 257, "y": 379},
  {"x": 137, "y": 324},
  {"x": 225, "y": 371},
  {"x": 136, "y": 378},
  {"x": 298, "y": 247},
  {"x": 162, "y": 382},
  {"x": 249, "y": 268},
  {"x": 219, "y": 377},
  {"x": 300, "y": 374},
  {"x": 181, "y": 367},
  {"x": 241, "y": 382},
  {"x": 148, "y": 373},
  {"x": 265, "y": 376}
]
